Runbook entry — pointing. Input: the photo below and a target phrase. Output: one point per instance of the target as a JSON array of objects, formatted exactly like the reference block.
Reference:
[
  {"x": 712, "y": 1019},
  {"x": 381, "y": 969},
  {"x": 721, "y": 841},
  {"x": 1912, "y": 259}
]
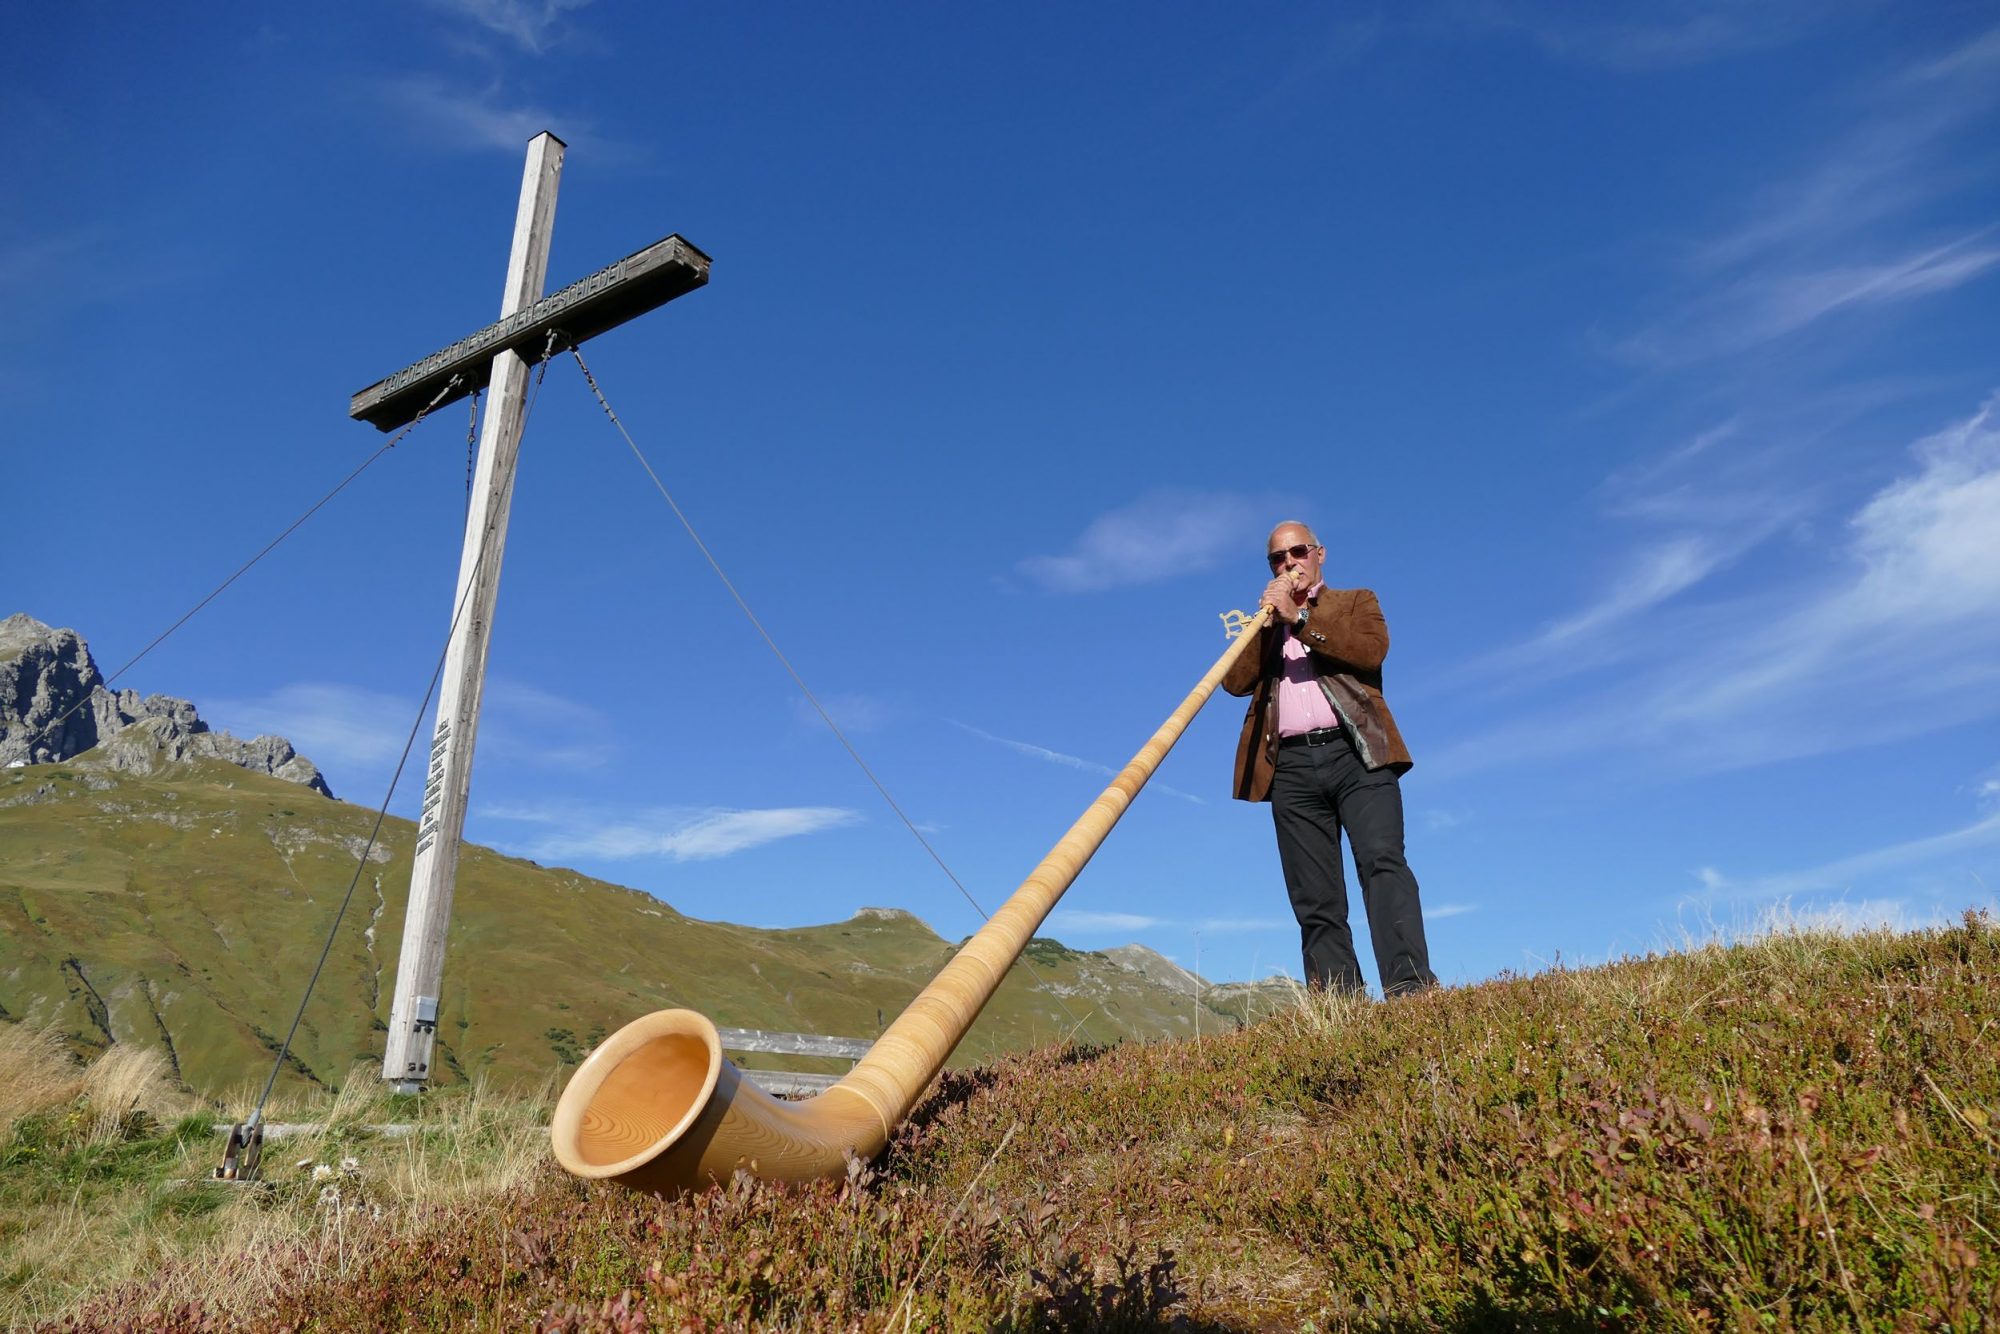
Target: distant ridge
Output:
[
  {"x": 181, "y": 910},
  {"x": 46, "y": 673}
]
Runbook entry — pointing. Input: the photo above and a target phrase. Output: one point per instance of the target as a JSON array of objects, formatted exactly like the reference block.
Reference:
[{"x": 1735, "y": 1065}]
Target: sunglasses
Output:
[{"x": 1299, "y": 552}]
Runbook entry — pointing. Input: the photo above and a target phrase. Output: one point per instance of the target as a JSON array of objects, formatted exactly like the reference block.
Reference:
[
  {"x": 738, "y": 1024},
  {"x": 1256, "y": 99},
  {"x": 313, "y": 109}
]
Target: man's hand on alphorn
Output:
[{"x": 1284, "y": 596}]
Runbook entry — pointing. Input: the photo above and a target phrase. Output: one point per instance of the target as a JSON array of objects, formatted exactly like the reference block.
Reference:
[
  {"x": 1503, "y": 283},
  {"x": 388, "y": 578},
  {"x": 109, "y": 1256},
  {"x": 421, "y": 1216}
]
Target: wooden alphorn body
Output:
[{"x": 658, "y": 1107}]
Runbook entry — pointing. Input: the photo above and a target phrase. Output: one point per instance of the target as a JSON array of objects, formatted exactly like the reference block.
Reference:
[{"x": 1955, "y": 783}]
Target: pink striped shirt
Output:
[{"x": 1302, "y": 705}]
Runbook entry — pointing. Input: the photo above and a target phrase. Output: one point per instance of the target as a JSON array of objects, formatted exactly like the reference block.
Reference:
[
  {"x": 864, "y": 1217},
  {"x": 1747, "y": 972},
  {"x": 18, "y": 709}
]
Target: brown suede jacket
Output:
[{"x": 1348, "y": 638}]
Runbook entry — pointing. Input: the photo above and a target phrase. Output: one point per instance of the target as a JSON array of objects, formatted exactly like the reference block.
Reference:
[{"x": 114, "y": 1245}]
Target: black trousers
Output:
[{"x": 1317, "y": 792}]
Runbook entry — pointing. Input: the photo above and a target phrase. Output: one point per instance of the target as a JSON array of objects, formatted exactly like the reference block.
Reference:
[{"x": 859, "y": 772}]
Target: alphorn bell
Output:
[{"x": 658, "y": 1107}]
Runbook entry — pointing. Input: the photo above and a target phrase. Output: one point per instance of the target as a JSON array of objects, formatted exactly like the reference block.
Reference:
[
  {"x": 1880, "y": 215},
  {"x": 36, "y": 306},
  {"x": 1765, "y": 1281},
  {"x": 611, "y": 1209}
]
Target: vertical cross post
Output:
[{"x": 413, "y": 1012}]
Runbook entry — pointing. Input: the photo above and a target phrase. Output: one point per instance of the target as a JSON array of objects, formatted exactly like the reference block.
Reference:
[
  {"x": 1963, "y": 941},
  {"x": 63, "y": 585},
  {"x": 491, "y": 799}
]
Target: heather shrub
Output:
[{"x": 1794, "y": 1132}]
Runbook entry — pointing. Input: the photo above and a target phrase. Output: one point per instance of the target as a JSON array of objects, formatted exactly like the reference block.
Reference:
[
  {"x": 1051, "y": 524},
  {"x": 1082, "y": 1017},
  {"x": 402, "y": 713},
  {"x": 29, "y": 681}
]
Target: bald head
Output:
[{"x": 1295, "y": 554}]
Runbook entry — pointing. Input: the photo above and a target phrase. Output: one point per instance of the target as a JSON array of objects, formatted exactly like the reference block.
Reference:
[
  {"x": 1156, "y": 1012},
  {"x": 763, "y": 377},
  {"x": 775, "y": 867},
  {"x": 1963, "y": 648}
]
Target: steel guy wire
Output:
[
  {"x": 798, "y": 680},
  {"x": 381, "y": 814},
  {"x": 243, "y": 569},
  {"x": 361, "y": 862}
]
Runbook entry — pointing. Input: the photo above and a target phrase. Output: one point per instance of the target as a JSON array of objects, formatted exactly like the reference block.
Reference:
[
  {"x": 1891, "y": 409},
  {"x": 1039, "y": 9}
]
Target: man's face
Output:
[{"x": 1292, "y": 549}]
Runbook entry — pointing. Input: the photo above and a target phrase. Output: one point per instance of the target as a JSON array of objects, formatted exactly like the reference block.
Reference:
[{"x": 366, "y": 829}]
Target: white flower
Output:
[
  {"x": 330, "y": 1198},
  {"x": 351, "y": 1166},
  {"x": 321, "y": 1171}
]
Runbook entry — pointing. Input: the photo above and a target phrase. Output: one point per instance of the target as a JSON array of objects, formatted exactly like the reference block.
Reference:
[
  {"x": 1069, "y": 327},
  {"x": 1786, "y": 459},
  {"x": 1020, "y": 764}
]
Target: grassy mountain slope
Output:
[
  {"x": 186, "y": 910},
  {"x": 1800, "y": 1133}
]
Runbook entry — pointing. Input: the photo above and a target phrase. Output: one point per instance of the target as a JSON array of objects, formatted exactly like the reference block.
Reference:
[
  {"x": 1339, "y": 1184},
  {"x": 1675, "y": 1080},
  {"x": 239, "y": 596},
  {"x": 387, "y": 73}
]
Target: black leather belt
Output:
[{"x": 1319, "y": 736}]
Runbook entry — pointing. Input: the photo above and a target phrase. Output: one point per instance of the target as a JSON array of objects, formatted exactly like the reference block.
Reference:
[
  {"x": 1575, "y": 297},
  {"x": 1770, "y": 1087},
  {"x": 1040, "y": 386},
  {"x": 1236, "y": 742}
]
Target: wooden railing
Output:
[{"x": 788, "y": 1083}]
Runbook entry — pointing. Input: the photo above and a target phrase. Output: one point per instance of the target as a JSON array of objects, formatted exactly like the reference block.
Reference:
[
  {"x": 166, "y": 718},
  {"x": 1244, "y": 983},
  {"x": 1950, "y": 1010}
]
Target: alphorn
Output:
[{"x": 658, "y": 1107}]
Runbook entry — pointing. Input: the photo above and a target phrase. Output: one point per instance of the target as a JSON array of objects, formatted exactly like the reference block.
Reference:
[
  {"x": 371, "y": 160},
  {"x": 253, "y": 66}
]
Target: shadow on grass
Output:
[
  {"x": 1160, "y": 1324},
  {"x": 1085, "y": 1053},
  {"x": 1493, "y": 1318},
  {"x": 1485, "y": 1318},
  {"x": 954, "y": 1089},
  {"x": 957, "y": 1087}
]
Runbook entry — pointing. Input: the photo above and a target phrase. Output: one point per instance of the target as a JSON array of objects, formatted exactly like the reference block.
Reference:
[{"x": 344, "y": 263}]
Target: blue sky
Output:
[{"x": 1643, "y": 365}]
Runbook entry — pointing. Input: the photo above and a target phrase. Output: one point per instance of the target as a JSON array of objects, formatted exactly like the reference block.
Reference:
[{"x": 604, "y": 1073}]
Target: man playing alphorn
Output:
[{"x": 1320, "y": 745}]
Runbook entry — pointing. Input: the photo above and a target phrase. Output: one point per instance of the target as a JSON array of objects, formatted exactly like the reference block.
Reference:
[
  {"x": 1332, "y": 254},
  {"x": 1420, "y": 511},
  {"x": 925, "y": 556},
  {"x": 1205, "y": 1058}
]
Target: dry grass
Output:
[
  {"x": 107, "y": 1180},
  {"x": 127, "y": 1082},
  {"x": 1318, "y": 1010},
  {"x": 40, "y": 1076},
  {"x": 86, "y": 1198},
  {"x": 1795, "y": 1131},
  {"x": 336, "y": 1197},
  {"x": 37, "y": 1072}
]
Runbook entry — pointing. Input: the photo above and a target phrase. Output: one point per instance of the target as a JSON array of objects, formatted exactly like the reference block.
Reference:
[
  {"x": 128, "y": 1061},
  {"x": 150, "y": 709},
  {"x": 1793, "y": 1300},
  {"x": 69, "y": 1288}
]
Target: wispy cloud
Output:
[
  {"x": 524, "y": 722},
  {"x": 533, "y": 25},
  {"x": 1766, "y": 465},
  {"x": 1970, "y": 69},
  {"x": 1687, "y": 33},
  {"x": 1323, "y": 44},
  {"x": 86, "y": 265},
  {"x": 1158, "y": 536},
  {"x": 1228, "y": 925},
  {"x": 1914, "y": 579},
  {"x": 1762, "y": 307},
  {"x": 1673, "y": 565},
  {"x": 1929, "y": 544},
  {"x": 1793, "y": 301},
  {"x": 478, "y": 119},
  {"x": 1843, "y": 233},
  {"x": 1593, "y": 636},
  {"x": 1065, "y": 919},
  {"x": 1875, "y": 871},
  {"x": 1906, "y": 885},
  {"x": 1849, "y": 917},
  {"x": 29, "y": 261},
  {"x": 1086, "y": 923},
  {"x": 333, "y": 725},
  {"x": 356, "y": 734},
  {"x": 1642, "y": 477},
  {"x": 1438, "y": 912},
  {"x": 677, "y": 835},
  {"x": 1068, "y": 761},
  {"x": 1747, "y": 923},
  {"x": 1883, "y": 165}
]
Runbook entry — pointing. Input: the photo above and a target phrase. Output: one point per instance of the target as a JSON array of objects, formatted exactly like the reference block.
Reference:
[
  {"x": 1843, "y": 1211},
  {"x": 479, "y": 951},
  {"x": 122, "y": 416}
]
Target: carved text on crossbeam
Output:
[{"x": 618, "y": 292}]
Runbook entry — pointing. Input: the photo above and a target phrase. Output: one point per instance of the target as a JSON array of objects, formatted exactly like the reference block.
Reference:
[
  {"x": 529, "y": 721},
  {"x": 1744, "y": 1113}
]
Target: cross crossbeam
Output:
[{"x": 640, "y": 282}]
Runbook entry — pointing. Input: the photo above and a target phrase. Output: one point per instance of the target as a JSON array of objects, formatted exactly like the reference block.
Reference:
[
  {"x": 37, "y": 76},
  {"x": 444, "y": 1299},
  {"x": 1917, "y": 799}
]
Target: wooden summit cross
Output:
[{"x": 530, "y": 326}]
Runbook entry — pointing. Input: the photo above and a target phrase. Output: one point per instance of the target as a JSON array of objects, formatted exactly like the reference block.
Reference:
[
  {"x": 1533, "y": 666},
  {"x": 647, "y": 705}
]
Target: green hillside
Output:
[
  {"x": 185, "y": 910},
  {"x": 1793, "y": 1134}
]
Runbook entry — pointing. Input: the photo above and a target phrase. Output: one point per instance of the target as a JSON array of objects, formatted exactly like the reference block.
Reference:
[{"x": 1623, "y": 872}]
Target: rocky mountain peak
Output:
[
  {"x": 48, "y": 674},
  {"x": 1154, "y": 966},
  {"x": 887, "y": 915}
]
